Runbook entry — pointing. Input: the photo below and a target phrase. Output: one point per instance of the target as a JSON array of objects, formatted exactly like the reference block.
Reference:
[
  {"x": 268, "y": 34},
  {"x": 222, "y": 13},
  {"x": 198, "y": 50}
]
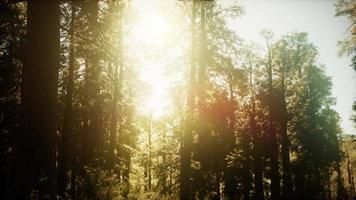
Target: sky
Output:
[{"x": 316, "y": 17}]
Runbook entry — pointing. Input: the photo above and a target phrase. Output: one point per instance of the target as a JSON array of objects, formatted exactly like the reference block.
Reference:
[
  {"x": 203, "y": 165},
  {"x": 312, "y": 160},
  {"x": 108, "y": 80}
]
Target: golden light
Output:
[
  {"x": 156, "y": 101},
  {"x": 150, "y": 26},
  {"x": 151, "y": 29},
  {"x": 150, "y": 34}
]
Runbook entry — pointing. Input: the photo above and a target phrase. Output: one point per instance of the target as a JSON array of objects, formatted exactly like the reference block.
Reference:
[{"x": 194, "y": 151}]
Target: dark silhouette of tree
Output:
[
  {"x": 275, "y": 178},
  {"x": 36, "y": 142}
]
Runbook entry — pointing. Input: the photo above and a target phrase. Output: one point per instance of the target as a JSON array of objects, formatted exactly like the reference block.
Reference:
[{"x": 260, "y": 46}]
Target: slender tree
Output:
[
  {"x": 187, "y": 139},
  {"x": 275, "y": 179},
  {"x": 258, "y": 179},
  {"x": 65, "y": 160}
]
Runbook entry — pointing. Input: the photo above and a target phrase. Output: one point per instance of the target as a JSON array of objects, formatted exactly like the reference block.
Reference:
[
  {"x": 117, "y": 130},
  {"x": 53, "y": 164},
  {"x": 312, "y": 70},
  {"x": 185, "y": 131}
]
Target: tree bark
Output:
[{"x": 36, "y": 144}]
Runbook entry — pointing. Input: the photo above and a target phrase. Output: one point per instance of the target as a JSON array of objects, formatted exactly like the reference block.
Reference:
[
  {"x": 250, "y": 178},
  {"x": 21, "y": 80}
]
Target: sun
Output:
[
  {"x": 151, "y": 33},
  {"x": 150, "y": 25},
  {"x": 150, "y": 29}
]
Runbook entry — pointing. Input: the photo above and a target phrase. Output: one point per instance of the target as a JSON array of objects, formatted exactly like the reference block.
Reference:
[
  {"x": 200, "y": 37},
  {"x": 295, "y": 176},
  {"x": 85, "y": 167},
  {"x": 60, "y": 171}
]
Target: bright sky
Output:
[{"x": 316, "y": 17}]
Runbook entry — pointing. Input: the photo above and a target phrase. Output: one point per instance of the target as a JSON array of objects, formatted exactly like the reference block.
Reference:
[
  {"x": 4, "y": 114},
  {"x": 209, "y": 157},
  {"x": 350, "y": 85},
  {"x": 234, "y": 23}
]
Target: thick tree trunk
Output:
[
  {"x": 259, "y": 194},
  {"x": 36, "y": 145},
  {"x": 300, "y": 191}
]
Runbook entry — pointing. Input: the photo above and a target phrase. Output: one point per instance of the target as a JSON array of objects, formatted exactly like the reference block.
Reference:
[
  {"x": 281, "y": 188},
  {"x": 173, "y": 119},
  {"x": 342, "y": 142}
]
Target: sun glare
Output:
[
  {"x": 156, "y": 101},
  {"x": 150, "y": 32},
  {"x": 150, "y": 25}
]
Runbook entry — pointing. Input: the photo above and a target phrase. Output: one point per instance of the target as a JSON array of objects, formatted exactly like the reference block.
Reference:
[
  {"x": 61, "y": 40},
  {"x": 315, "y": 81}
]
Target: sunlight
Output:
[
  {"x": 151, "y": 32},
  {"x": 150, "y": 25},
  {"x": 177, "y": 99},
  {"x": 156, "y": 100},
  {"x": 150, "y": 29}
]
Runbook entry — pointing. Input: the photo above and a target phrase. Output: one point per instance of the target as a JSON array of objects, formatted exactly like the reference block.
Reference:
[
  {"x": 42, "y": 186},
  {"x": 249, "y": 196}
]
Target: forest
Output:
[{"x": 163, "y": 100}]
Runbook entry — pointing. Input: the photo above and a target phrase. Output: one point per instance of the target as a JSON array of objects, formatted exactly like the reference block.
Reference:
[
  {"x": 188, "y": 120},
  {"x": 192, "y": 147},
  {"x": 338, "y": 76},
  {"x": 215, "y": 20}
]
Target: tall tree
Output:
[
  {"x": 187, "y": 139},
  {"x": 255, "y": 133},
  {"x": 36, "y": 145},
  {"x": 67, "y": 138},
  {"x": 275, "y": 179}
]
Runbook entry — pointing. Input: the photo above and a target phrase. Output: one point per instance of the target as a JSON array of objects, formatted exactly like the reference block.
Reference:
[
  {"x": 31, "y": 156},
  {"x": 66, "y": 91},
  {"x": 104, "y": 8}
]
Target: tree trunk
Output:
[
  {"x": 229, "y": 175},
  {"x": 275, "y": 179},
  {"x": 113, "y": 123},
  {"x": 36, "y": 144},
  {"x": 287, "y": 189},
  {"x": 187, "y": 139},
  {"x": 117, "y": 95},
  {"x": 84, "y": 151},
  {"x": 95, "y": 136},
  {"x": 259, "y": 195}
]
